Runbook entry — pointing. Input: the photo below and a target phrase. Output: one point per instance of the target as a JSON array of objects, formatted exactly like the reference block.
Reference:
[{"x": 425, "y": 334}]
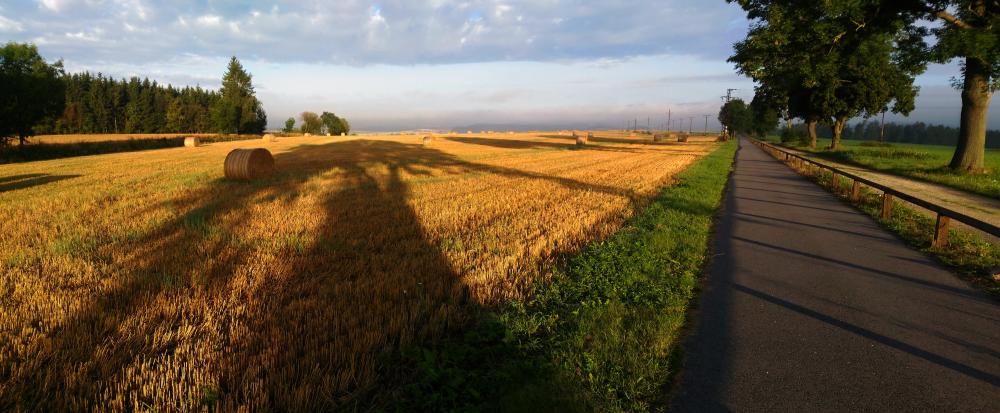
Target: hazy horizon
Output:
[{"x": 399, "y": 65}]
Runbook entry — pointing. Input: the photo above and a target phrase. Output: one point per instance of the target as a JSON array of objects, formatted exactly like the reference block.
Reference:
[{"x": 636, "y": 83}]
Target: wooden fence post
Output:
[
  {"x": 941, "y": 231},
  {"x": 856, "y": 191},
  {"x": 886, "y": 206},
  {"x": 834, "y": 181}
]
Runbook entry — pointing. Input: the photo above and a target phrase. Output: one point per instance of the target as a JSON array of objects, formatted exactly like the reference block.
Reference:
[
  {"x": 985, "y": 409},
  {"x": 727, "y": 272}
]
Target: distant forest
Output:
[
  {"x": 918, "y": 132},
  {"x": 98, "y": 104}
]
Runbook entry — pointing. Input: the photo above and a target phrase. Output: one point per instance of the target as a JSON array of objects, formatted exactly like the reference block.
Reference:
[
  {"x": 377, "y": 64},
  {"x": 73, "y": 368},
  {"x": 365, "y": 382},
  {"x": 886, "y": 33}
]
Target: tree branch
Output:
[{"x": 948, "y": 17}]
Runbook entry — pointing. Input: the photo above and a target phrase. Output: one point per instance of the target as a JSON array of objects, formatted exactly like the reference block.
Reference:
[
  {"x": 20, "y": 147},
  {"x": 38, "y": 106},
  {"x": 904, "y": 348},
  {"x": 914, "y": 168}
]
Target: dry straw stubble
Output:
[{"x": 186, "y": 294}]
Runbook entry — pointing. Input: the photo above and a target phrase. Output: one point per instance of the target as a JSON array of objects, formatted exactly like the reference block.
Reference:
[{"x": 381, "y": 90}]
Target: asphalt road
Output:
[{"x": 810, "y": 306}]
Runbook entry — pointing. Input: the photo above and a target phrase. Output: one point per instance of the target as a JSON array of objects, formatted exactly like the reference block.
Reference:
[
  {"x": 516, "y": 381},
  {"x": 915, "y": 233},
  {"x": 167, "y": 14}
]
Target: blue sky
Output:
[{"x": 429, "y": 64}]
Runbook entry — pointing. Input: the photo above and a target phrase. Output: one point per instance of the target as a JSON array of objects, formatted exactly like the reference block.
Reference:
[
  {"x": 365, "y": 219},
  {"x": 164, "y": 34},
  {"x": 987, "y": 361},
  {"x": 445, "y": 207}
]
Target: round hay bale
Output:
[
  {"x": 192, "y": 141},
  {"x": 580, "y": 140},
  {"x": 269, "y": 138},
  {"x": 308, "y": 134},
  {"x": 682, "y": 137},
  {"x": 343, "y": 133},
  {"x": 249, "y": 164},
  {"x": 427, "y": 140},
  {"x": 659, "y": 137},
  {"x": 590, "y": 135}
]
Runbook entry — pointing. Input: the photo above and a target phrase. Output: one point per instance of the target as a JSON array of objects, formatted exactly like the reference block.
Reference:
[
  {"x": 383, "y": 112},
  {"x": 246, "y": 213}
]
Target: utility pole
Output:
[
  {"x": 728, "y": 97},
  {"x": 706, "y": 123},
  {"x": 648, "y": 124},
  {"x": 690, "y": 124},
  {"x": 668, "y": 120},
  {"x": 881, "y": 134},
  {"x": 729, "y": 94}
]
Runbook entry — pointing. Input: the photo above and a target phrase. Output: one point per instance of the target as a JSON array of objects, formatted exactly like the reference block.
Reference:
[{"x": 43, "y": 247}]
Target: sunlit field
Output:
[
  {"x": 146, "y": 281},
  {"x": 925, "y": 162}
]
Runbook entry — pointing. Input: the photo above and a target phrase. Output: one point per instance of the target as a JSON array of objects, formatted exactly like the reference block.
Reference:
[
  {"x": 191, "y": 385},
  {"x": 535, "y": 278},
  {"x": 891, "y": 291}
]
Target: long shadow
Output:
[
  {"x": 532, "y": 144},
  {"x": 264, "y": 319},
  {"x": 11, "y": 183},
  {"x": 6, "y": 179},
  {"x": 766, "y": 220},
  {"x": 823, "y": 196},
  {"x": 863, "y": 332},
  {"x": 969, "y": 346},
  {"x": 863, "y": 269},
  {"x": 45, "y": 151},
  {"x": 702, "y": 382},
  {"x": 746, "y": 198},
  {"x": 648, "y": 140}
]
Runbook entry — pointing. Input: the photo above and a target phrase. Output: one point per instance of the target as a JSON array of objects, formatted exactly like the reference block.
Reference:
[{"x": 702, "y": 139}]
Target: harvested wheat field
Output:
[
  {"x": 146, "y": 281},
  {"x": 112, "y": 137}
]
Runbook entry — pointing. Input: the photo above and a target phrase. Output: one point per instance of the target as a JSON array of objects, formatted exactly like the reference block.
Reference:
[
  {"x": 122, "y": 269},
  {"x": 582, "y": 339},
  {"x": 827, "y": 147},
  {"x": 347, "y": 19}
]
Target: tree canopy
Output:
[
  {"x": 842, "y": 58},
  {"x": 311, "y": 123},
  {"x": 333, "y": 124},
  {"x": 30, "y": 90},
  {"x": 815, "y": 59},
  {"x": 735, "y": 115},
  {"x": 238, "y": 110}
]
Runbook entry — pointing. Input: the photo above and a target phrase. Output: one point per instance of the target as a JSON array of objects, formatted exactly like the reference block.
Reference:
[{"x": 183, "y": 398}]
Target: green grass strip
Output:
[{"x": 601, "y": 335}]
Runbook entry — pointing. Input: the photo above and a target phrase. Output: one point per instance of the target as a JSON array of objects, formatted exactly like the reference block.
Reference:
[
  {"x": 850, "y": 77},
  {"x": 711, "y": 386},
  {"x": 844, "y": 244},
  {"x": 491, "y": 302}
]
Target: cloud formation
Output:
[
  {"x": 362, "y": 32},
  {"x": 381, "y": 62}
]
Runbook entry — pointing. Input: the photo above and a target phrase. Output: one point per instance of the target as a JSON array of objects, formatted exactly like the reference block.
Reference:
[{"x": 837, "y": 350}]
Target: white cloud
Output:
[
  {"x": 8, "y": 25},
  {"x": 209, "y": 20}
]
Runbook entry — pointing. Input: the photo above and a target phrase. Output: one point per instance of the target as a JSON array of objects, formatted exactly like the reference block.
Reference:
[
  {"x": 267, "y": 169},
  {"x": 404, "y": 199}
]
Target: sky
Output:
[{"x": 436, "y": 64}]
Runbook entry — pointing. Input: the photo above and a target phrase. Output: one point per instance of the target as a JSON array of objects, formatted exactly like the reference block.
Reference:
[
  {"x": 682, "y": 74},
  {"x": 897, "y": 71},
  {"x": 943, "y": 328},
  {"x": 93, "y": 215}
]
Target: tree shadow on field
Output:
[
  {"x": 638, "y": 140},
  {"x": 233, "y": 303},
  {"x": 10, "y": 183},
  {"x": 513, "y": 143}
]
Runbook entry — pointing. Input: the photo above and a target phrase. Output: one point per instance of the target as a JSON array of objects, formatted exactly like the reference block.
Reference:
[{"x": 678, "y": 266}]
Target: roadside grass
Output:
[
  {"x": 599, "y": 335},
  {"x": 968, "y": 254},
  {"x": 925, "y": 162}
]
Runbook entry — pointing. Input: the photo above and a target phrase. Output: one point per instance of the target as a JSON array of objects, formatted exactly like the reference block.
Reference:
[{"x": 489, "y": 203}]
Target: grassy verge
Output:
[
  {"x": 925, "y": 162},
  {"x": 600, "y": 335},
  {"x": 46, "y": 151},
  {"x": 971, "y": 256}
]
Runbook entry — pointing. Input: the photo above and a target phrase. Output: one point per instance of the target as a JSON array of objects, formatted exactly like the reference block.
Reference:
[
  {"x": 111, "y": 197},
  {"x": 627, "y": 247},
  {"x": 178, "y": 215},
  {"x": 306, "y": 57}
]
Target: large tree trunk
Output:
[
  {"x": 971, "y": 150},
  {"x": 811, "y": 130},
  {"x": 838, "y": 129}
]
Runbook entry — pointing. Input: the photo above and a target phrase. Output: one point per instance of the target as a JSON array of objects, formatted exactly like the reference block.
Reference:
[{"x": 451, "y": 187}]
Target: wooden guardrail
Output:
[{"x": 944, "y": 214}]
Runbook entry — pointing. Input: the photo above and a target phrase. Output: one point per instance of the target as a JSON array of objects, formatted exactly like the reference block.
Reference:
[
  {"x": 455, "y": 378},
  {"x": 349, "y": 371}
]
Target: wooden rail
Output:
[{"x": 944, "y": 215}]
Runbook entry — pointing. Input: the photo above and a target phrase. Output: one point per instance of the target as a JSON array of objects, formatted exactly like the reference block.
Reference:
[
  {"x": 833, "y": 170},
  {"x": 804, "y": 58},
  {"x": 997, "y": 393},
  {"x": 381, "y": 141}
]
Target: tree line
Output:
[
  {"x": 918, "y": 132},
  {"x": 98, "y": 104},
  {"x": 831, "y": 61},
  {"x": 40, "y": 98},
  {"x": 319, "y": 124}
]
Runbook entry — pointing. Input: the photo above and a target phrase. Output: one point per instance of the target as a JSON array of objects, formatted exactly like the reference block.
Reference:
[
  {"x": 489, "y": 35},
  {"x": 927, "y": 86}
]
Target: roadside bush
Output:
[{"x": 794, "y": 136}]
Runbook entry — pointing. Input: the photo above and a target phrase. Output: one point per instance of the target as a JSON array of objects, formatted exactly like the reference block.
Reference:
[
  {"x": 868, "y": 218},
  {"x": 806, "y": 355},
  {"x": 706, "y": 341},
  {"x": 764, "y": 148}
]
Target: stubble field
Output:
[{"x": 147, "y": 281}]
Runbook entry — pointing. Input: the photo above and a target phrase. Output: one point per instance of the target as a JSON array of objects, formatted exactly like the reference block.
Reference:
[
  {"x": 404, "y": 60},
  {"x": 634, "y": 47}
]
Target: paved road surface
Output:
[{"x": 810, "y": 306}]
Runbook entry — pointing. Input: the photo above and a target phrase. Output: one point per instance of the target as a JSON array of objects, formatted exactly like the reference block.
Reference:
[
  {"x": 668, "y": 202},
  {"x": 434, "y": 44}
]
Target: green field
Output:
[{"x": 925, "y": 162}]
